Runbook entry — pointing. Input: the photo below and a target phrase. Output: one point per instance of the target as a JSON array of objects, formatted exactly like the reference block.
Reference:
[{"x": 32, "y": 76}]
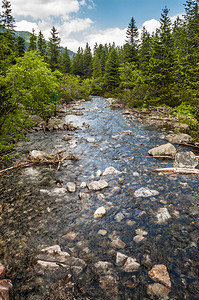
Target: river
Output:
[{"x": 37, "y": 212}]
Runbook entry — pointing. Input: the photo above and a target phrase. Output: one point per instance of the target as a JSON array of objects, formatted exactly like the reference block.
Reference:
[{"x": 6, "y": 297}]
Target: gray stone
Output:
[
  {"x": 119, "y": 217},
  {"x": 110, "y": 171},
  {"x": 97, "y": 185},
  {"x": 163, "y": 150},
  {"x": 145, "y": 192},
  {"x": 181, "y": 138},
  {"x": 71, "y": 187},
  {"x": 117, "y": 243},
  {"x": 56, "y": 123},
  {"x": 163, "y": 215},
  {"x": 158, "y": 290},
  {"x": 131, "y": 265},
  {"x": 104, "y": 267},
  {"x": 185, "y": 160}
]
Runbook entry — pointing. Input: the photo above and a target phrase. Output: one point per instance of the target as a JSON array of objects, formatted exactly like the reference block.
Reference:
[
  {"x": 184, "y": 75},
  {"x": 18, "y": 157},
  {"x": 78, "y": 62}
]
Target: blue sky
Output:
[{"x": 81, "y": 21}]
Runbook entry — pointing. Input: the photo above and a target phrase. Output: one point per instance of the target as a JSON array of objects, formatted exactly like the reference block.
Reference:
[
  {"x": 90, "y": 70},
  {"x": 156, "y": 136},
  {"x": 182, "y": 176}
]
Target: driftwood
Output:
[
  {"x": 177, "y": 171},
  {"x": 51, "y": 159}
]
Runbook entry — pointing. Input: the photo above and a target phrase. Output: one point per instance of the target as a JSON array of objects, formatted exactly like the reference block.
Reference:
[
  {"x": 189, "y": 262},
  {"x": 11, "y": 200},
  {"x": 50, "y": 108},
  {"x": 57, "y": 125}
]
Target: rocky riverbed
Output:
[{"x": 103, "y": 226}]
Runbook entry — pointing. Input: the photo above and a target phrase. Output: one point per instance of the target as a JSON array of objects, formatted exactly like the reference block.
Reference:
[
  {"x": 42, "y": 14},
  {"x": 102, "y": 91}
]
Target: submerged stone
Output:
[
  {"x": 160, "y": 273},
  {"x": 110, "y": 171},
  {"x": 131, "y": 265},
  {"x": 100, "y": 212},
  {"x": 97, "y": 185},
  {"x": 158, "y": 290},
  {"x": 145, "y": 192},
  {"x": 163, "y": 215}
]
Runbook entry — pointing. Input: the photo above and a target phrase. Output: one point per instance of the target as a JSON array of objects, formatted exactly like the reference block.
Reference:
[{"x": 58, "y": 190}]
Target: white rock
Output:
[
  {"x": 102, "y": 232},
  {"x": 97, "y": 185},
  {"x": 72, "y": 144},
  {"x": 129, "y": 132},
  {"x": 110, "y": 171},
  {"x": 145, "y": 192},
  {"x": 83, "y": 185},
  {"x": 36, "y": 154},
  {"x": 100, "y": 212},
  {"x": 120, "y": 259},
  {"x": 71, "y": 187},
  {"x": 136, "y": 174},
  {"x": 98, "y": 173},
  {"x": 58, "y": 191},
  {"x": 131, "y": 265},
  {"x": 90, "y": 140},
  {"x": 163, "y": 215}
]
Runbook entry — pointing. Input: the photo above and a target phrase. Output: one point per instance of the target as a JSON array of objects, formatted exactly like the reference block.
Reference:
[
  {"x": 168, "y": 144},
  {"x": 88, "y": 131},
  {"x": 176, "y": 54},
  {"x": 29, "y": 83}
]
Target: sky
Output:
[{"x": 92, "y": 21}]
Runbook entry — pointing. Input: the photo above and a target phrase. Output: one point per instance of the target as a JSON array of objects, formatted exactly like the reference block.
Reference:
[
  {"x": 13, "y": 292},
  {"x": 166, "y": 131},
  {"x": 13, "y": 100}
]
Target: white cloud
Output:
[
  {"x": 151, "y": 25},
  {"x": 27, "y": 26},
  {"x": 75, "y": 25},
  {"x": 41, "y": 9}
]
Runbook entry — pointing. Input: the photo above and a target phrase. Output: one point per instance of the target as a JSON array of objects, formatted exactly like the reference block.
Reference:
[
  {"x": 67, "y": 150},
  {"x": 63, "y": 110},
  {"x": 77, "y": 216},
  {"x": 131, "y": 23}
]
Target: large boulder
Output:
[
  {"x": 185, "y": 160},
  {"x": 163, "y": 150},
  {"x": 56, "y": 123},
  {"x": 181, "y": 138}
]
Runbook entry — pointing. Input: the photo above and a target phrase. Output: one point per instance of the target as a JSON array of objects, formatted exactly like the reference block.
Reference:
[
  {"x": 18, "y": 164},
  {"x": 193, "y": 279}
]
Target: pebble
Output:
[
  {"x": 83, "y": 185},
  {"x": 145, "y": 192},
  {"x": 158, "y": 290},
  {"x": 138, "y": 238},
  {"x": 97, "y": 185},
  {"x": 100, "y": 212},
  {"x": 98, "y": 173},
  {"x": 102, "y": 232},
  {"x": 163, "y": 215},
  {"x": 90, "y": 140},
  {"x": 131, "y": 265},
  {"x": 110, "y": 171},
  {"x": 71, "y": 187},
  {"x": 160, "y": 273},
  {"x": 117, "y": 243},
  {"x": 120, "y": 259}
]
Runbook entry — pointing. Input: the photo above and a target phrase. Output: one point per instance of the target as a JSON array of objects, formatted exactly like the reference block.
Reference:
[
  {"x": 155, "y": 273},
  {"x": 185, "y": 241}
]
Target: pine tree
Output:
[
  {"x": 42, "y": 45},
  {"x": 6, "y": 19},
  {"x": 54, "y": 43},
  {"x": 112, "y": 75},
  {"x": 32, "y": 46},
  {"x": 77, "y": 63},
  {"x": 97, "y": 69},
  {"x": 132, "y": 40},
  {"x": 20, "y": 46},
  {"x": 87, "y": 62},
  {"x": 65, "y": 62},
  {"x": 145, "y": 50}
]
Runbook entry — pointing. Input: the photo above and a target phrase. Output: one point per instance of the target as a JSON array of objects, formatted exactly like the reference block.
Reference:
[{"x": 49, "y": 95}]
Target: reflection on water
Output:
[{"x": 36, "y": 212}]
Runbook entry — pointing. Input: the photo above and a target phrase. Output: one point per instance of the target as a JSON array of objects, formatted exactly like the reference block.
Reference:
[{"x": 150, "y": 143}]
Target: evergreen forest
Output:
[{"x": 159, "y": 69}]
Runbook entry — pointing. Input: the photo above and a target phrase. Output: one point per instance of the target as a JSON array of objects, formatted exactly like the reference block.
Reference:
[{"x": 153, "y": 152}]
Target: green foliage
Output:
[{"x": 112, "y": 76}]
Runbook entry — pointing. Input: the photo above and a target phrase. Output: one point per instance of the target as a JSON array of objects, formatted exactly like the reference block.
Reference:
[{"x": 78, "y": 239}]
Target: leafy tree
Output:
[
  {"x": 112, "y": 75},
  {"x": 32, "y": 46},
  {"x": 54, "y": 44},
  {"x": 20, "y": 46},
  {"x": 6, "y": 18}
]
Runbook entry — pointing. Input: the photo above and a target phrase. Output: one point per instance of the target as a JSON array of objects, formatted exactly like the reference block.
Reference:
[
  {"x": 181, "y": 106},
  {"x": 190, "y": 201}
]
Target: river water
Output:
[{"x": 35, "y": 215}]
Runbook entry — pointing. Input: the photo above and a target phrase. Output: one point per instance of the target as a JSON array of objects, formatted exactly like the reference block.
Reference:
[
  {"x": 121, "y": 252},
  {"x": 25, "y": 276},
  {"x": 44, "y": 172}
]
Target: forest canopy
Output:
[{"x": 160, "y": 69}]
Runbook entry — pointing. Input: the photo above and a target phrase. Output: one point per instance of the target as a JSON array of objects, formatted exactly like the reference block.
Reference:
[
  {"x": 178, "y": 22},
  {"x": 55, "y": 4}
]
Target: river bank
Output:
[{"x": 104, "y": 226}]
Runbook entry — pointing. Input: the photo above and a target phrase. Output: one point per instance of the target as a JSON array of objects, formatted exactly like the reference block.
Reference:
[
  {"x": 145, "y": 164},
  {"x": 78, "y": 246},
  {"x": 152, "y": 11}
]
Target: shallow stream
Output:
[{"x": 35, "y": 214}]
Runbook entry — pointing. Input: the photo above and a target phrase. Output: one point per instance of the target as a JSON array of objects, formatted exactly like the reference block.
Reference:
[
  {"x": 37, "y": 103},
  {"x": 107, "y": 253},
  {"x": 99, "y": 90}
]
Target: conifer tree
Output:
[
  {"x": 54, "y": 43},
  {"x": 41, "y": 44},
  {"x": 132, "y": 40},
  {"x": 32, "y": 46},
  {"x": 97, "y": 69},
  {"x": 112, "y": 76},
  {"x": 65, "y": 62},
  {"x": 20, "y": 46},
  {"x": 6, "y": 18},
  {"x": 87, "y": 62}
]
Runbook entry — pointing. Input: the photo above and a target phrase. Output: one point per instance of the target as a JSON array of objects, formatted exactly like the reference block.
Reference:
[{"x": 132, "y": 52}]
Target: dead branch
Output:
[
  {"x": 51, "y": 159},
  {"x": 177, "y": 170}
]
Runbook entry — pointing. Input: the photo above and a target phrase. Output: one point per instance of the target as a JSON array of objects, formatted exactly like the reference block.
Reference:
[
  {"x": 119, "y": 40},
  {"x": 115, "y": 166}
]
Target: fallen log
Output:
[{"x": 177, "y": 171}]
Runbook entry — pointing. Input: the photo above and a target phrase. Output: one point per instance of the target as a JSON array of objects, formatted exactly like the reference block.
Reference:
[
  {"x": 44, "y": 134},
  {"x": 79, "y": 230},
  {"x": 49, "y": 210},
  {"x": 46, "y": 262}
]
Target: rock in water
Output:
[
  {"x": 100, "y": 212},
  {"x": 97, "y": 185},
  {"x": 185, "y": 160},
  {"x": 36, "y": 154},
  {"x": 71, "y": 187},
  {"x": 120, "y": 259},
  {"x": 158, "y": 290},
  {"x": 110, "y": 171},
  {"x": 163, "y": 215},
  {"x": 160, "y": 273},
  {"x": 131, "y": 265},
  {"x": 163, "y": 150},
  {"x": 145, "y": 192}
]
